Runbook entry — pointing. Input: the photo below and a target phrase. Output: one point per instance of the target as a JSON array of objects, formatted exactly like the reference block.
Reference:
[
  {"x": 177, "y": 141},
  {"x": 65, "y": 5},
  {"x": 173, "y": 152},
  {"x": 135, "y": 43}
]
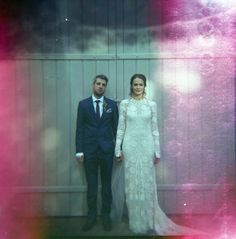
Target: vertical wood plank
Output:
[
  {"x": 195, "y": 141},
  {"x": 22, "y": 116},
  {"x": 130, "y": 26},
  {"x": 130, "y": 68},
  {"x": 63, "y": 121},
  {"x": 89, "y": 14},
  {"x": 101, "y": 38},
  {"x": 102, "y": 67},
  {"x": 89, "y": 72},
  {"x": 120, "y": 26},
  {"x": 112, "y": 70},
  {"x": 170, "y": 199},
  {"x": 76, "y": 84},
  {"x": 120, "y": 80},
  {"x": 155, "y": 72},
  {"x": 112, "y": 27},
  {"x": 63, "y": 126},
  {"x": 50, "y": 137},
  {"x": 10, "y": 130},
  {"x": 78, "y": 204},
  {"x": 182, "y": 121},
  {"x": 36, "y": 122},
  {"x": 142, "y": 27},
  {"x": 50, "y": 205},
  {"x": 75, "y": 26},
  {"x": 77, "y": 176}
]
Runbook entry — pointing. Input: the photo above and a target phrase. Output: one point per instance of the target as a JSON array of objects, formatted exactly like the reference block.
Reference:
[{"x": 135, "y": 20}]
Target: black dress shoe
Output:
[
  {"x": 90, "y": 223},
  {"x": 107, "y": 225}
]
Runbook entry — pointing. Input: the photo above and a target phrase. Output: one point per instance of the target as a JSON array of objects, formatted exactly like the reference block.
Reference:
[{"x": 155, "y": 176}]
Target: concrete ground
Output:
[{"x": 70, "y": 227}]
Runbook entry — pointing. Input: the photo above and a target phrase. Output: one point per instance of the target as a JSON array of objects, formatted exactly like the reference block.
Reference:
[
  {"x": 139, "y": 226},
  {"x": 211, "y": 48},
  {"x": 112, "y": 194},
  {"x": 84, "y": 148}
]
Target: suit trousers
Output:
[{"x": 91, "y": 164}]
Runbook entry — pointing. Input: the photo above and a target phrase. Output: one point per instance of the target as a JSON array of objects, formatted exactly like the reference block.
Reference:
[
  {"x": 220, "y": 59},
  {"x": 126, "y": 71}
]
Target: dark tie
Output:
[{"x": 97, "y": 109}]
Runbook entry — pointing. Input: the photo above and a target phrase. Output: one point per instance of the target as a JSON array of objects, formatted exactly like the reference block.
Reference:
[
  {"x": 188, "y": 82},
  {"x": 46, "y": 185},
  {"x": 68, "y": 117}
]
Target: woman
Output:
[{"x": 138, "y": 149}]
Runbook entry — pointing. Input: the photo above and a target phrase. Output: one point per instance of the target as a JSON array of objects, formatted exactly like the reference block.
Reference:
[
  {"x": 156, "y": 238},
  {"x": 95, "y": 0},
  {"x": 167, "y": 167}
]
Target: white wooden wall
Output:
[
  {"x": 196, "y": 124},
  {"x": 46, "y": 93}
]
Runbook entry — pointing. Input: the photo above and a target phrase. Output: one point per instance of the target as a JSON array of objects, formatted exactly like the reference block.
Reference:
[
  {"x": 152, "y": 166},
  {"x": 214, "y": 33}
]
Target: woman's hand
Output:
[{"x": 156, "y": 160}]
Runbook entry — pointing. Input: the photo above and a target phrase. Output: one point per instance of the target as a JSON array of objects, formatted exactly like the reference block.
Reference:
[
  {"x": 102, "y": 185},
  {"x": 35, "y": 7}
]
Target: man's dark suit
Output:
[{"x": 96, "y": 139}]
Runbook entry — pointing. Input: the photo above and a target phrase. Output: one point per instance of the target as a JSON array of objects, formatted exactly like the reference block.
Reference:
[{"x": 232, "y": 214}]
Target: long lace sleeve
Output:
[
  {"x": 121, "y": 127},
  {"x": 155, "y": 131}
]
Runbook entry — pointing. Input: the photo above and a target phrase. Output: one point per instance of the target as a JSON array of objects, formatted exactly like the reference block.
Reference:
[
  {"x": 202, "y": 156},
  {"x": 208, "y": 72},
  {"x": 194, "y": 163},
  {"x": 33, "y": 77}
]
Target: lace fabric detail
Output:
[
  {"x": 155, "y": 131},
  {"x": 138, "y": 136},
  {"x": 138, "y": 139},
  {"x": 121, "y": 126},
  {"x": 139, "y": 107}
]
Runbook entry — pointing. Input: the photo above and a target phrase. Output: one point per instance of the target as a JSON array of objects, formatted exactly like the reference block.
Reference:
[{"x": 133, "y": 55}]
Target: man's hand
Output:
[
  {"x": 120, "y": 157},
  {"x": 80, "y": 158}
]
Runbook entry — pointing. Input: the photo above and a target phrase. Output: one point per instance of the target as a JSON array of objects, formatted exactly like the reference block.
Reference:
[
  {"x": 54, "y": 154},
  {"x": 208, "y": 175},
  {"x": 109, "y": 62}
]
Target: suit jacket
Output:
[{"x": 92, "y": 133}]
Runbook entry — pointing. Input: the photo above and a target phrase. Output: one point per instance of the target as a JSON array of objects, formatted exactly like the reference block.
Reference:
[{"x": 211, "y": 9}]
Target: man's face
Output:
[{"x": 99, "y": 87}]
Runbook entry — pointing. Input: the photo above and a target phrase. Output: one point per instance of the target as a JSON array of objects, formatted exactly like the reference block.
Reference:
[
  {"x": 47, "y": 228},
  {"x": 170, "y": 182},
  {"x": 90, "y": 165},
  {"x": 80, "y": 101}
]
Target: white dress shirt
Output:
[{"x": 100, "y": 104}]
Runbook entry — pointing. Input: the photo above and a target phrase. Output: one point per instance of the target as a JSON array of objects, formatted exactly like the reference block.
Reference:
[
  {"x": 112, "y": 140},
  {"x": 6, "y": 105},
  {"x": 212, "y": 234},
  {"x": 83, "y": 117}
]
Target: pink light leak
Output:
[
  {"x": 195, "y": 41},
  {"x": 15, "y": 206}
]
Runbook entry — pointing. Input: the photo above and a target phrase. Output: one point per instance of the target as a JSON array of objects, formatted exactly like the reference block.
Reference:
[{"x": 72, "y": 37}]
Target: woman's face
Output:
[{"x": 137, "y": 87}]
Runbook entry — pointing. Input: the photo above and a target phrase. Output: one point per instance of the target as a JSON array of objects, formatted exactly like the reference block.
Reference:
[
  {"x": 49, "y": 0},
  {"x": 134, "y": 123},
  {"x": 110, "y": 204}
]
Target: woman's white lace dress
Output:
[{"x": 138, "y": 136}]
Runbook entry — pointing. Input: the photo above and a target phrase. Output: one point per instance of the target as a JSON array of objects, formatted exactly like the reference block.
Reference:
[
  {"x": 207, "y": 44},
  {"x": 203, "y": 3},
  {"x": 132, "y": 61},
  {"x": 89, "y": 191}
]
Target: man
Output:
[{"x": 97, "y": 121}]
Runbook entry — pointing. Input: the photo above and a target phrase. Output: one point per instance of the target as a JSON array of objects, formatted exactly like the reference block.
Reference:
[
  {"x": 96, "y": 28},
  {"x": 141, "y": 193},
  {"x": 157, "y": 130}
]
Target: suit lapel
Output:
[
  {"x": 103, "y": 110},
  {"x": 91, "y": 107}
]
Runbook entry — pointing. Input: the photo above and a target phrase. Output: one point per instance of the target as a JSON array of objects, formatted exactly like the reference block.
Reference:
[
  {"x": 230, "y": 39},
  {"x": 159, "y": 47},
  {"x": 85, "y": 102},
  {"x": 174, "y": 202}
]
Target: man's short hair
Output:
[{"x": 103, "y": 77}]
